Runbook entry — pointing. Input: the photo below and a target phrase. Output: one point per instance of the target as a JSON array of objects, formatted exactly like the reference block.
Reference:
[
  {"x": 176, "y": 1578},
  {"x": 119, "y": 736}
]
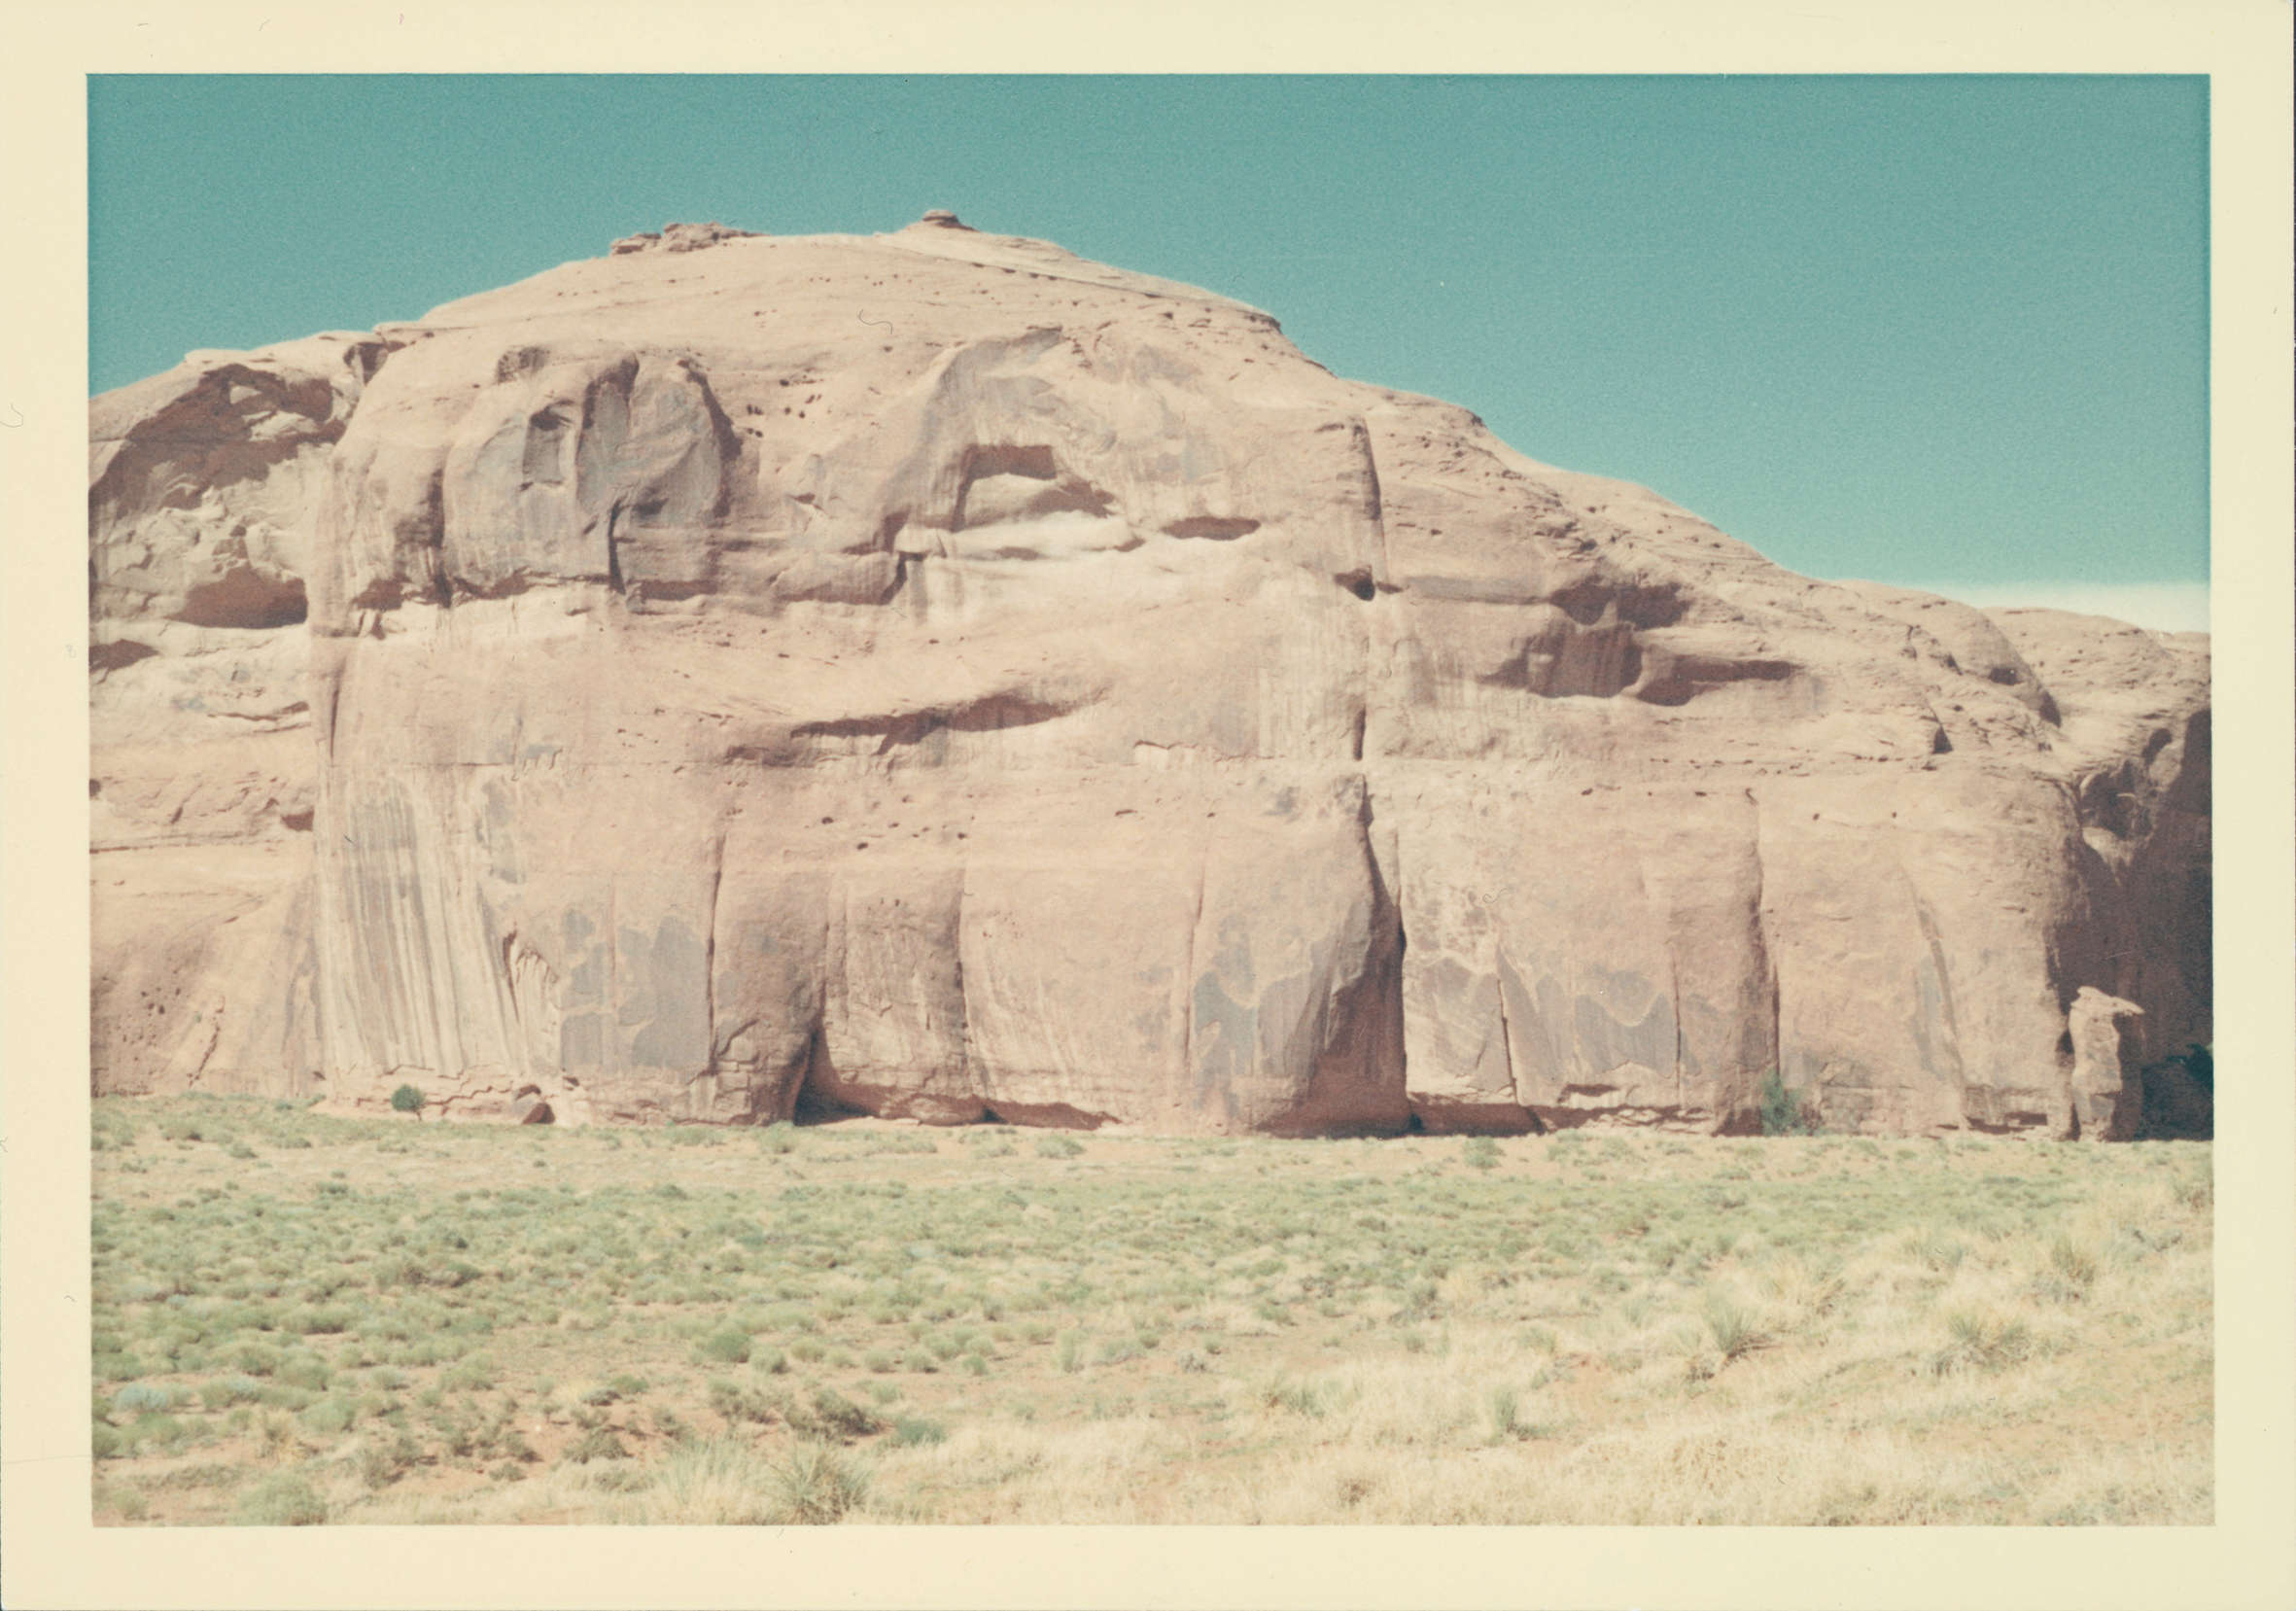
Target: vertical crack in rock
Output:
[
  {"x": 1374, "y": 509},
  {"x": 1740, "y": 1101},
  {"x": 963, "y": 1033},
  {"x": 1188, "y": 995},
  {"x": 710, "y": 959},
  {"x": 1926, "y": 921},
  {"x": 1506, "y": 1037},
  {"x": 609, "y": 1006},
  {"x": 334, "y": 702},
  {"x": 1674, "y": 989}
]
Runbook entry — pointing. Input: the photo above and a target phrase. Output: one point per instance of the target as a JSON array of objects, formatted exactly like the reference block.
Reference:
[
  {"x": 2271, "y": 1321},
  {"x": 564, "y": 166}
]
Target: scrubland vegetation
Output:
[{"x": 300, "y": 1319}]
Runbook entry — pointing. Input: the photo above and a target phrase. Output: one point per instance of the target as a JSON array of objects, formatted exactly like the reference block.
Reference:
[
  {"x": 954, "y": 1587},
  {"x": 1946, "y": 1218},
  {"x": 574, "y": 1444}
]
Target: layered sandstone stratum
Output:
[{"x": 935, "y": 674}]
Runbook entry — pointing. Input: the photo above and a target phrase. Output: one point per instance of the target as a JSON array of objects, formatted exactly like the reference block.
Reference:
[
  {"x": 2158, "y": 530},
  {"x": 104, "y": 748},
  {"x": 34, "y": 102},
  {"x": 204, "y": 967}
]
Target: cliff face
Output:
[{"x": 936, "y": 675}]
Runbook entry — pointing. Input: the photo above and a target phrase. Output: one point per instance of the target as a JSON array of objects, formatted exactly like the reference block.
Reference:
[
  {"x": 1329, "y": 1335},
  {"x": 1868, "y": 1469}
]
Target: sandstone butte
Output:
[{"x": 934, "y": 675}]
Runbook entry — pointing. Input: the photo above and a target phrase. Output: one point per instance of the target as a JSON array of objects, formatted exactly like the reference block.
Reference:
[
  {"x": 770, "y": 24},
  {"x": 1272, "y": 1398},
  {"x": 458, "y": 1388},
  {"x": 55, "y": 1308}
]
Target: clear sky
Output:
[{"x": 1942, "y": 330}]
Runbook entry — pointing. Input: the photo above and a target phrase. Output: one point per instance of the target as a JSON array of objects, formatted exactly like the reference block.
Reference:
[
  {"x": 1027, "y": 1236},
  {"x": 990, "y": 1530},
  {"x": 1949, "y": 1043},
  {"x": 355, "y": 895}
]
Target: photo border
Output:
[{"x": 51, "y": 1554}]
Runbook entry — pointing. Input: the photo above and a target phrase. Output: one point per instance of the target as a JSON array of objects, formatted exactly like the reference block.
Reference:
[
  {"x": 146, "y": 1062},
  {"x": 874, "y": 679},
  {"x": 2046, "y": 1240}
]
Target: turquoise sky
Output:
[{"x": 1946, "y": 330}]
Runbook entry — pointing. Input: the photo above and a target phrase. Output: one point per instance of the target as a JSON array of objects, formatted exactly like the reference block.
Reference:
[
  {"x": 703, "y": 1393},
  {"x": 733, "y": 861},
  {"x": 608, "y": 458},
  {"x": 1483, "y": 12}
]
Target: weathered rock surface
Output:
[
  {"x": 936, "y": 675},
  {"x": 2105, "y": 1092}
]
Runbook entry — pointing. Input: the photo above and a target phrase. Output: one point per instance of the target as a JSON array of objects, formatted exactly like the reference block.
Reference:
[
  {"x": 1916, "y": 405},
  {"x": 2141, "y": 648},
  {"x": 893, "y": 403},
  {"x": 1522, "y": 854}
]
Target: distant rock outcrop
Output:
[
  {"x": 936, "y": 675},
  {"x": 679, "y": 237}
]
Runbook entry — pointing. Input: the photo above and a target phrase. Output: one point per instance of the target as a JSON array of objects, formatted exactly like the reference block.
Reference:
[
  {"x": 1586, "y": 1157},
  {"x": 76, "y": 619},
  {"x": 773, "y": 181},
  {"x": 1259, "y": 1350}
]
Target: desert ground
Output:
[{"x": 301, "y": 1318}]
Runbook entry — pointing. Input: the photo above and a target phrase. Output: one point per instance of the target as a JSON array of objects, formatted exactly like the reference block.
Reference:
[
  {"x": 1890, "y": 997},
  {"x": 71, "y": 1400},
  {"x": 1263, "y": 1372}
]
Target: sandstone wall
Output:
[{"x": 932, "y": 675}]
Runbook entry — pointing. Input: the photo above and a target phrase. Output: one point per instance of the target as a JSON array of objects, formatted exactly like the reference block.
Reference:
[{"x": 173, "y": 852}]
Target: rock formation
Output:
[
  {"x": 2105, "y": 1091},
  {"x": 935, "y": 674}
]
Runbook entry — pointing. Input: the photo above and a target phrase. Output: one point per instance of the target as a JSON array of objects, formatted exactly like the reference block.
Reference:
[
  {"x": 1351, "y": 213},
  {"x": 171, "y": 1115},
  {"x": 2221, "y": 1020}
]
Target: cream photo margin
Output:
[{"x": 50, "y": 1554}]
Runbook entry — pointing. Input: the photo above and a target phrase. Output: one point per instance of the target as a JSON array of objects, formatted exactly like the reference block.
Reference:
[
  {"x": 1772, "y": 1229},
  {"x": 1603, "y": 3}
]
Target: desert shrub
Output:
[
  {"x": 832, "y": 1416},
  {"x": 817, "y": 1485},
  {"x": 737, "y": 1403},
  {"x": 204, "y": 1474},
  {"x": 161, "y": 1431},
  {"x": 1481, "y": 1152},
  {"x": 1935, "y": 1250},
  {"x": 1781, "y": 1111},
  {"x": 282, "y": 1499},
  {"x": 2072, "y": 1271},
  {"x": 124, "y": 1501},
  {"x": 1980, "y": 1342},
  {"x": 1059, "y": 1147},
  {"x": 406, "y": 1100},
  {"x": 331, "y": 1417},
  {"x": 790, "y": 1316},
  {"x": 108, "y": 1133},
  {"x": 1735, "y": 1330},
  {"x": 778, "y": 1139},
  {"x": 1503, "y": 1414},
  {"x": 333, "y": 1321},
  {"x": 503, "y": 1441},
  {"x": 596, "y": 1444},
  {"x": 140, "y": 1397},
  {"x": 1300, "y": 1398},
  {"x": 715, "y": 1480},
  {"x": 2196, "y": 1191},
  {"x": 2075, "y": 1262},
  {"x": 910, "y": 1432},
  {"x": 380, "y": 1463},
  {"x": 302, "y": 1370},
  {"x": 472, "y": 1375},
  {"x": 726, "y": 1346}
]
